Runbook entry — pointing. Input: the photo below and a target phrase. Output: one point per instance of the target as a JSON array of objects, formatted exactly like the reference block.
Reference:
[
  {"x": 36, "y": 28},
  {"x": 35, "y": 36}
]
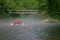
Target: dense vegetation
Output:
[
  {"x": 51, "y": 6},
  {"x": 54, "y": 8},
  {"x": 7, "y": 5}
]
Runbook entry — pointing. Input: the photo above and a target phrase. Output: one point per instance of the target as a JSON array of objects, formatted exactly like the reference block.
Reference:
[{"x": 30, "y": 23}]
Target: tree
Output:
[
  {"x": 53, "y": 8},
  {"x": 3, "y": 8},
  {"x": 42, "y": 4}
]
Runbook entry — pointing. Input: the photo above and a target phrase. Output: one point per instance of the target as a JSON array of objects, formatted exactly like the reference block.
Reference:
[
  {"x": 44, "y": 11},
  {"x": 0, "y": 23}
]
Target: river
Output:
[{"x": 34, "y": 29}]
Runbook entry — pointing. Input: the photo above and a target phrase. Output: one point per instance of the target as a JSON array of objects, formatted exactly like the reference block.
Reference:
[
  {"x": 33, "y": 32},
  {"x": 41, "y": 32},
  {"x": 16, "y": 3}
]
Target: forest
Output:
[{"x": 51, "y": 6}]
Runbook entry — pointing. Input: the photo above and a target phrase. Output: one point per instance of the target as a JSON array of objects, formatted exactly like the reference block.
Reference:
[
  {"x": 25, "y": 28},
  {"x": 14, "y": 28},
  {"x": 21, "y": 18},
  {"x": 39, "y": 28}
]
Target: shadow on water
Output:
[
  {"x": 53, "y": 32},
  {"x": 49, "y": 33}
]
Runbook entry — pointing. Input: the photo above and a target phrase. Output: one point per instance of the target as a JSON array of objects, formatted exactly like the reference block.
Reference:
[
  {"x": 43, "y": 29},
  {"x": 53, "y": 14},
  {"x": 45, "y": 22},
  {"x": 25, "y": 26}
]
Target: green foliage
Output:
[
  {"x": 42, "y": 4},
  {"x": 53, "y": 8},
  {"x": 7, "y": 5},
  {"x": 22, "y": 4},
  {"x": 3, "y": 9}
]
